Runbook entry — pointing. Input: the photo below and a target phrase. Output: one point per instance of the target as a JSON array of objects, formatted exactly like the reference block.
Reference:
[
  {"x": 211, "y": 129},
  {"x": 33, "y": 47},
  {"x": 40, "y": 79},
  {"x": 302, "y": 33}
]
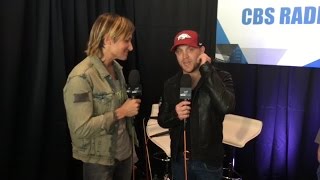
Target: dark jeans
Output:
[
  {"x": 121, "y": 170},
  {"x": 197, "y": 170}
]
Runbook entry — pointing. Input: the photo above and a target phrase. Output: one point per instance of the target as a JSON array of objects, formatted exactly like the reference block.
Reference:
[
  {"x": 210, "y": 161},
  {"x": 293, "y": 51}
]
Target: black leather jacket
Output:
[{"x": 212, "y": 98}]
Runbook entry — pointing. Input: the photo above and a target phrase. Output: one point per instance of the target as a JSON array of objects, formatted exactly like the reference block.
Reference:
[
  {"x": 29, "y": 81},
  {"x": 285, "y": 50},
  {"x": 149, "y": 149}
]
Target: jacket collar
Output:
[{"x": 98, "y": 64}]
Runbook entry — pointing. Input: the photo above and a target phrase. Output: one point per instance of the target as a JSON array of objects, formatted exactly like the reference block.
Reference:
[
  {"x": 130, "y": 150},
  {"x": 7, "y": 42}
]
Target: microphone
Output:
[
  {"x": 185, "y": 94},
  {"x": 134, "y": 90},
  {"x": 185, "y": 87}
]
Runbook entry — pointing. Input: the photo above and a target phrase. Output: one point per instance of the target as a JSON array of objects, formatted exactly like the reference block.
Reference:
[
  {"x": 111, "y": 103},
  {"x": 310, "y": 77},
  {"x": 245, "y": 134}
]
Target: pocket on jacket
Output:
[
  {"x": 102, "y": 102},
  {"x": 97, "y": 146},
  {"x": 85, "y": 146}
]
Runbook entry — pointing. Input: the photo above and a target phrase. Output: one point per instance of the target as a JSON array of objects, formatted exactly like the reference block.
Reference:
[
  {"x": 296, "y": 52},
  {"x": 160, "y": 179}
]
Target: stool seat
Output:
[{"x": 238, "y": 130}]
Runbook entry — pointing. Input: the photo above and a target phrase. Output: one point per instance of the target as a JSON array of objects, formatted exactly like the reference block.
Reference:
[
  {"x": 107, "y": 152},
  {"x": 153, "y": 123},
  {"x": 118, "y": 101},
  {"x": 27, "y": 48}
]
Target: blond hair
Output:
[{"x": 112, "y": 25}]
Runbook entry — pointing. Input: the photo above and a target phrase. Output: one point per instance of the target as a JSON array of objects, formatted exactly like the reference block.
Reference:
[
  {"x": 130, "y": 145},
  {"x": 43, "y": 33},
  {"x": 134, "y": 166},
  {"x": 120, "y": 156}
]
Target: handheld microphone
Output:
[
  {"x": 185, "y": 87},
  {"x": 185, "y": 94},
  {"x": 134, "y": 90}
]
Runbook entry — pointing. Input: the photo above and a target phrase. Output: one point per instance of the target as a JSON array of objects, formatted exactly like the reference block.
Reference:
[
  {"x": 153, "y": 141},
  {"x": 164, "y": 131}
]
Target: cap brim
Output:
[{"x": 174, "y": 47}]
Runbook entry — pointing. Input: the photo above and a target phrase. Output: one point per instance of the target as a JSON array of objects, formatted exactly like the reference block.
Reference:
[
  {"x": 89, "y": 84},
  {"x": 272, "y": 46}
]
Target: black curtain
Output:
[{"x": 43, "y": 40}]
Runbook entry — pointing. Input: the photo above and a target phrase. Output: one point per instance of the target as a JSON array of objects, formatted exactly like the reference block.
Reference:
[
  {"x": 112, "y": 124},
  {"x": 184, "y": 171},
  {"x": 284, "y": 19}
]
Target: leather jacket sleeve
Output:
[
  {"x": 219, "y": 84},
  {"x": 167, "y": 117}
]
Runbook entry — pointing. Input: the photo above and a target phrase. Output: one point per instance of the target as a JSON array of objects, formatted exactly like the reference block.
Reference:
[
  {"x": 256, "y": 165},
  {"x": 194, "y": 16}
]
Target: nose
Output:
[
  {"x": 185, "y": 55},
  {"x": 130, "y": 47}
]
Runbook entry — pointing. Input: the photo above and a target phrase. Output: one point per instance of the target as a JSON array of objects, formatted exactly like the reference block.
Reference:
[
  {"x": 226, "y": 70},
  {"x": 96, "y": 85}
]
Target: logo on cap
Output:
[
  {"x": 186, "y": 37},
  {"x": 183, "y": 36}
]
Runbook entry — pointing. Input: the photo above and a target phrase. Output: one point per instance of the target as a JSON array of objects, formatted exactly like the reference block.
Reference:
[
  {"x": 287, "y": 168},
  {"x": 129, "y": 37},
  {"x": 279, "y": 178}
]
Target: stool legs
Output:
[{"x": 229, "y": 171}]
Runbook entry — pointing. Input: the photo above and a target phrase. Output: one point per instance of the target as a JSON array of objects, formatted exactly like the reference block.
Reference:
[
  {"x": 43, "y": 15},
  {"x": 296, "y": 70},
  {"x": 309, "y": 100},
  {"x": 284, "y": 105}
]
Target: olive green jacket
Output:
[{"x": 90, "y": 102}]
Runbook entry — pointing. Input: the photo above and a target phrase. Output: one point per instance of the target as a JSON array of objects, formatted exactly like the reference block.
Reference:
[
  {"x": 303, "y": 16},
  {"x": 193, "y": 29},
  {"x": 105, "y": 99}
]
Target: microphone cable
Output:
[
  {"x": 147, "y": 150},
  {"x": 133, "y": 150},
  {"x": 185, "y": 149}
]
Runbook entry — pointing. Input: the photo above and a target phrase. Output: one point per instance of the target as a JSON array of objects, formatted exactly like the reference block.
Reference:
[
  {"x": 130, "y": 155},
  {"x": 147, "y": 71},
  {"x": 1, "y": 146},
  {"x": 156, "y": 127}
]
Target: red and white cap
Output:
[{"x": 186, "y": 37}]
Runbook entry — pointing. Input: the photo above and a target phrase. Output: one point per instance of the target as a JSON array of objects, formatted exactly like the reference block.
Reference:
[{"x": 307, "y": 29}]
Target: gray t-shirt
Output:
[
  {"x": 317, "y": 140},
  {"x": 124, "y": 145}
]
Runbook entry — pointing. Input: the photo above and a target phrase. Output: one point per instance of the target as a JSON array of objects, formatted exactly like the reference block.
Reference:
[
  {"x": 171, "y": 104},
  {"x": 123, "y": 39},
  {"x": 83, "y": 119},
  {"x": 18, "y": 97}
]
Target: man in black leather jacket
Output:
[{"x": 212, "y": 98}]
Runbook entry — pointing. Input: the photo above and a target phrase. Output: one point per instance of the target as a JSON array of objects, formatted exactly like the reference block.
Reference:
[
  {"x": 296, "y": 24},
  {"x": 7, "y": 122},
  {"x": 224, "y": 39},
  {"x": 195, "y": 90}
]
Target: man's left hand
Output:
[{"x": 203, "y": 58}]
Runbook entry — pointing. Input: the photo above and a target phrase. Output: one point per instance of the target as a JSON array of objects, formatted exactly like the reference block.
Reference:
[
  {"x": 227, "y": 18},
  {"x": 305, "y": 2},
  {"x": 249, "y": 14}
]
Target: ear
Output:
[
  {"x": 107, "y": 40},
  {"x": 203, "y": 49}
]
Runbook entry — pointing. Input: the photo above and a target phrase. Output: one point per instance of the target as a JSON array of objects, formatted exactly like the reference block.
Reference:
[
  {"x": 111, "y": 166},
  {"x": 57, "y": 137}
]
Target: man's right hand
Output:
[
  {"x": 129, "y": 108},
  {"x": 183, "y": 109}
]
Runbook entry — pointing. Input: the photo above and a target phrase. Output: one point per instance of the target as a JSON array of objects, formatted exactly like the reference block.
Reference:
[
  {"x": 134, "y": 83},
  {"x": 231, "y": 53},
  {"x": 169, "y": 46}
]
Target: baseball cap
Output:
[{"x": 186, "y": 37}]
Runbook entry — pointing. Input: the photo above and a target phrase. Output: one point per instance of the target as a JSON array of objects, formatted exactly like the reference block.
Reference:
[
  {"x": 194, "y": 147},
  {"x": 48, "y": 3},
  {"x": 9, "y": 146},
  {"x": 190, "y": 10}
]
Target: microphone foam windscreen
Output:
[
  {"x": 134, "y": 78},
  {"x": 185, "y": 81}
]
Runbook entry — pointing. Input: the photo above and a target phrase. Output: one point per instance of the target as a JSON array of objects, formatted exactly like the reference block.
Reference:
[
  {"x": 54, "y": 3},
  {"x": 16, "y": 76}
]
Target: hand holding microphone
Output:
[
  {"x": 131, "y": 106},
  {"x": 183, "y": 108}
]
